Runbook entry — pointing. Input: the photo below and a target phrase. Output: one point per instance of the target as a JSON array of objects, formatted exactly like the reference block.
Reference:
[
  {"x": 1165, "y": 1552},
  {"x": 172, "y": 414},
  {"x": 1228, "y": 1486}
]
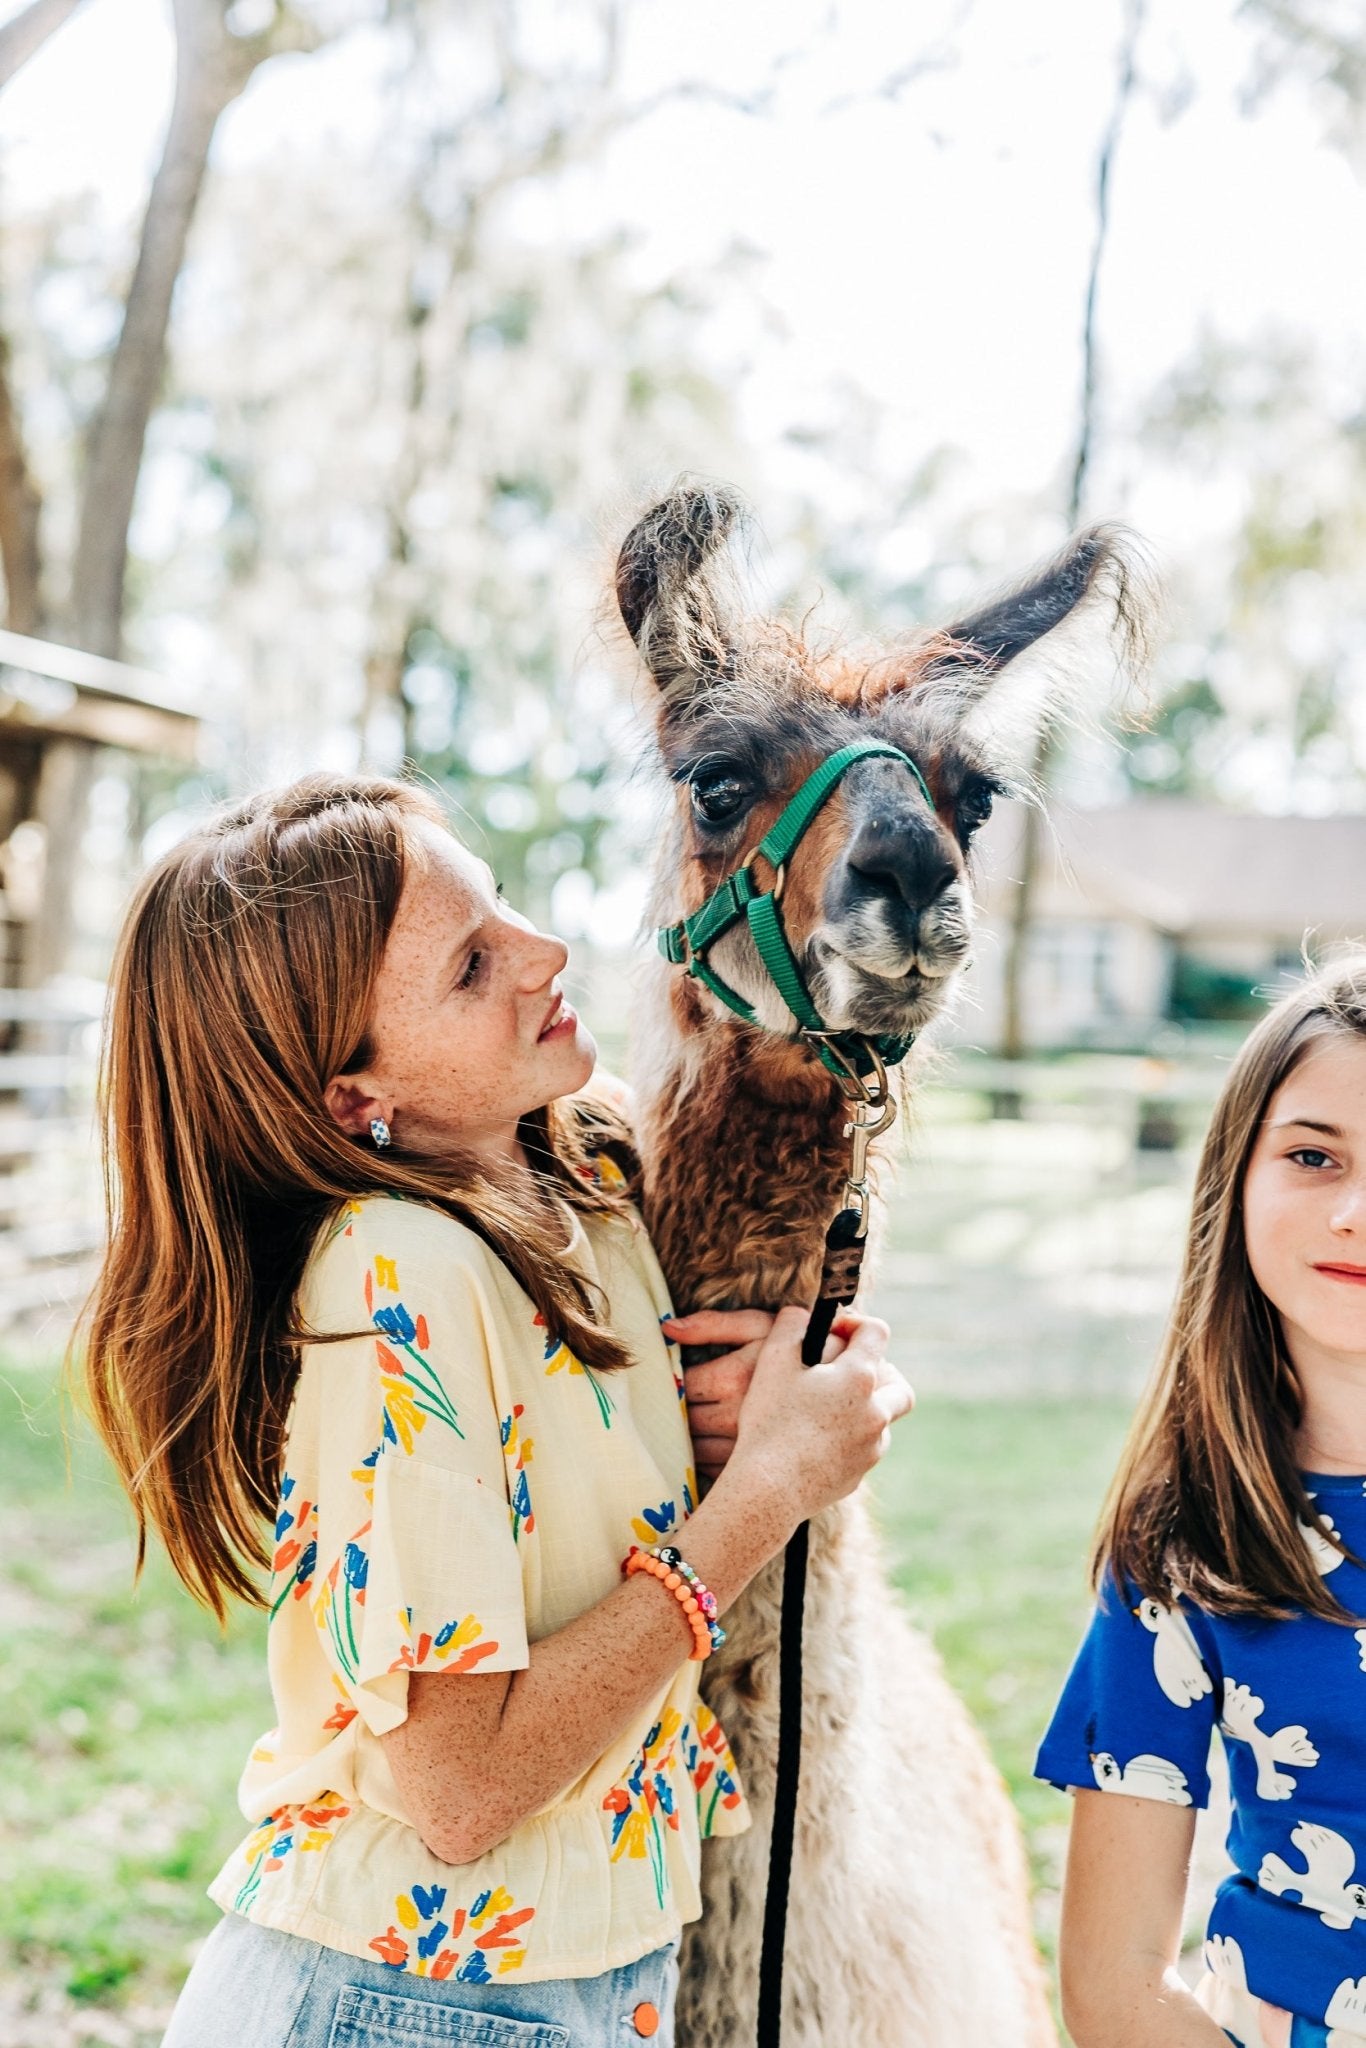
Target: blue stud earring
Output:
[{"x": 379, "y": 1131}]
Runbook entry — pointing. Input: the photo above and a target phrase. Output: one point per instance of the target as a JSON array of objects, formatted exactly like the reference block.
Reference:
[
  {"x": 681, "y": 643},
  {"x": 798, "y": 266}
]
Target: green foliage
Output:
[
  {"x": 1205, "y": 994},
  {"x": 1177, "y": 753}
]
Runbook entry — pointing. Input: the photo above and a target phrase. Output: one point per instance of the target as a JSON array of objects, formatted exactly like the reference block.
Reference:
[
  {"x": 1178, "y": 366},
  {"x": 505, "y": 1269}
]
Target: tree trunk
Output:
[
  {"x": 1013, "y": 1033},
  {"x": 24, "y": 35},
  {"x": 114, "y": 454},
  {"x": 212, "y": 68},
  {"x": 61, "y": 806},
  {"x": 20, "y": 511}
]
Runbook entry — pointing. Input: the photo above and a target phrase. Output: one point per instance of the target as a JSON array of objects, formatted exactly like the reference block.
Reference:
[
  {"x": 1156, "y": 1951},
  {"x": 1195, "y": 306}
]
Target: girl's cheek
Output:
[{"x": 1266, "y": 1229}]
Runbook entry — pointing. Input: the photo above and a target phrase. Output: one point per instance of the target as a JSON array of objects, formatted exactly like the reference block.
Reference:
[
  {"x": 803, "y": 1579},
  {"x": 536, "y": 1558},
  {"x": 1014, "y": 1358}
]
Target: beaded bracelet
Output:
[{"x": 698, "y": 1603}]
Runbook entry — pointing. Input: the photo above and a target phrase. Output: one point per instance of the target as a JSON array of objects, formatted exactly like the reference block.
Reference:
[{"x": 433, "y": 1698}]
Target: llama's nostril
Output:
[{"x": 913, "y": 876}]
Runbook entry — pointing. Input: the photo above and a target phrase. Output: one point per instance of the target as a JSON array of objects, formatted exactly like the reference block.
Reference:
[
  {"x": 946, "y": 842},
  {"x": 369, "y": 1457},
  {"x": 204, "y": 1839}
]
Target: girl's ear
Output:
[{"x": 352, "y": 1106}]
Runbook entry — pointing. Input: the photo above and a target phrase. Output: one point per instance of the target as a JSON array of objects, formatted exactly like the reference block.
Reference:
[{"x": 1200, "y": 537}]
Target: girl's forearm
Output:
[
  {"x": 1133, "y": 2005},
  {"x": 468, "y": 1786}
]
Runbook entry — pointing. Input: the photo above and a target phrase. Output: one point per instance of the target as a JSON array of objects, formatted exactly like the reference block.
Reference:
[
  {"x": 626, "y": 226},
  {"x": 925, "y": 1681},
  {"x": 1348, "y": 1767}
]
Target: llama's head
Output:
[{"x": 876, "y": 900}]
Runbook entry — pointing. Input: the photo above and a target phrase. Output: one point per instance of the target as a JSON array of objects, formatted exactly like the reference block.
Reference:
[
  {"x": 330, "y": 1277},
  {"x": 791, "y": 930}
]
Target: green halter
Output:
[{"x": 739, "y": 897}]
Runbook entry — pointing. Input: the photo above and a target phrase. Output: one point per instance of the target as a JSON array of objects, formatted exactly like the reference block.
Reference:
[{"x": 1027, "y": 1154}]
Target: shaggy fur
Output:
[{"x": 909, "y": 1921}]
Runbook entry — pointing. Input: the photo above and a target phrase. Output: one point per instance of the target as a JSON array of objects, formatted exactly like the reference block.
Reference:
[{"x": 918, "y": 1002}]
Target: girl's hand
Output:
[
  {"x": 716, "y": 1387},
  {"x": 810, "y": 1433}
]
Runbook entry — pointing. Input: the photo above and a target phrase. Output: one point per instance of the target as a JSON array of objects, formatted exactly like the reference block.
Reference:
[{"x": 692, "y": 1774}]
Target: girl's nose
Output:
[
  {"x": 546, "y": 956},
  {"x": 1349, "y": 1211}
]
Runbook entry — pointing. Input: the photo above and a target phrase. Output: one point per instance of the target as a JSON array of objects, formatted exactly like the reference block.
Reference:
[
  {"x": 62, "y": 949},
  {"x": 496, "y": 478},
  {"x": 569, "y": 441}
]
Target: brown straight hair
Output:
[
  {"x": 1208, "y": 1499},
  {"x": 242, "y": 984}
]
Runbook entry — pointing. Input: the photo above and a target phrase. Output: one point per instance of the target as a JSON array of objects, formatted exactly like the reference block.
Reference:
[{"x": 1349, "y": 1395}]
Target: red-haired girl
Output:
[{"x": 373, "y": 1275}]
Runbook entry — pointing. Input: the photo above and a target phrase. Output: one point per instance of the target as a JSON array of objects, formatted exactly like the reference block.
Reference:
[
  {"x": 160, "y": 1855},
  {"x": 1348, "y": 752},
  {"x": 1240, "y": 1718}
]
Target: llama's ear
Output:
[
  {"x": 1023, "y": 660},
  {"x": 676, "y": 588}
]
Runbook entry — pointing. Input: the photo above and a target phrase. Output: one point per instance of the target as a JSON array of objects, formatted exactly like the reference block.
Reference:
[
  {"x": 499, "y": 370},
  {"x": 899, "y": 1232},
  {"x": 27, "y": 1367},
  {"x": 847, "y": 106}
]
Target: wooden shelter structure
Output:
[{"x": 60, "y": 708}]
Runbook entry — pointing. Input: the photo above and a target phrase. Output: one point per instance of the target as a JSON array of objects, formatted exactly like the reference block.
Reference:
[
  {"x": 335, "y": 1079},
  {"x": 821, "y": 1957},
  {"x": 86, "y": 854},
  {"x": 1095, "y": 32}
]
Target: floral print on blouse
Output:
[{"x": 457, "y": 1485}]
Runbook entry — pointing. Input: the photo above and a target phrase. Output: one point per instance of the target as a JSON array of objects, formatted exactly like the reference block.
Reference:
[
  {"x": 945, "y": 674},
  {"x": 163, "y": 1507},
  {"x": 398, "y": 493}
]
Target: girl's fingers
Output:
[
  {"x": 733, "y": 1326},
  {"x": 894, "y": 1397},
  {"x": 721, "y": 1379},
  {"x": 715, "y": 1418}
]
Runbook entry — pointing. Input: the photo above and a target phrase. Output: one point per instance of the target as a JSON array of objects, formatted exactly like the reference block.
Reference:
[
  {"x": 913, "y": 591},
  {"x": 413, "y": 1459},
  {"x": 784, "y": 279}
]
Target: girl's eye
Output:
[
  {"x": 471, "y": 974},
  {"x": 718, "y": 797},
  {"x": 1309, "y": 1156}
]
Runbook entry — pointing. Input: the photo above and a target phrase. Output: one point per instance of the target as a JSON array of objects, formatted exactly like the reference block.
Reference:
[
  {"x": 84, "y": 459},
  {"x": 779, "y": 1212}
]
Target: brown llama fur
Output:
[{"x": 909, "y": 1921}]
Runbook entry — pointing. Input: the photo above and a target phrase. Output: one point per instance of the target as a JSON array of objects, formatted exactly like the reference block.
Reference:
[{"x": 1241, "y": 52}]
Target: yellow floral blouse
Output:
[{"x": 457, "y": 1485}]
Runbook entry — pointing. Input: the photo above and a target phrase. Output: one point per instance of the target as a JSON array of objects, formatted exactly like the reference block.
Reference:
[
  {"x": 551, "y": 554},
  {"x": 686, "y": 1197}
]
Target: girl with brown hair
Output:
[
  {"x": 1232, "y": 1588},
  {"x": 374, "y": 1273}
]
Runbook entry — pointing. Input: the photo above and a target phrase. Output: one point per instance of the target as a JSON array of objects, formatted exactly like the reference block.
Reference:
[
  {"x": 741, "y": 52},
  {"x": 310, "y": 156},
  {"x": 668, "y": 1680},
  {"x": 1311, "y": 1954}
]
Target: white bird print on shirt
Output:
[
  {"x": 1326, "y": 1557},
  {"x": 1346, "y": 2009},
  {"x": 1147, "y": 1777},
  {"x": 1225, "y": 1959},
  {"x": 1242, "y": 1711},
  {"x": 1176, "y": 1656},
  {"x": 1325, "y": 1884}
]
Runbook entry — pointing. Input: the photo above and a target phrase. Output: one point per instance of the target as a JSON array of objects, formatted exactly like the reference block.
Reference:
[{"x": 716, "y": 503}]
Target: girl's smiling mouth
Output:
[
  {"x": 562, "y": 1020},
  {"x": 1353, "y": 1276}
]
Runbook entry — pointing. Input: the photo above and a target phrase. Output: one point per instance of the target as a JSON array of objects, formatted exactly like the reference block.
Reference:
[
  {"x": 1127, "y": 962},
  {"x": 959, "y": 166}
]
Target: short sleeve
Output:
[
  {"x": 418, "y": 1567},
  {"x": 1137, "y": 1713}
]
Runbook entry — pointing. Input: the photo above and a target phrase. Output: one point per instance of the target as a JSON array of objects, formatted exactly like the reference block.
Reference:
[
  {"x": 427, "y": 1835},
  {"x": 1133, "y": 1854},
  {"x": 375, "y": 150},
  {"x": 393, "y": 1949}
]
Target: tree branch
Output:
[{"x": 24, "y": 35}]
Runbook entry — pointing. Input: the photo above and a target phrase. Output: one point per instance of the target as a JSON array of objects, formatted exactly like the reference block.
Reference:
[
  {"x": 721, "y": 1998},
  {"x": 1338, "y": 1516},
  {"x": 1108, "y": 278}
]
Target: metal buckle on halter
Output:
[
  {"x": 779, "y": 872},
  {"x": 854, "y": 1085},
  {"x": 873, "y": 1110}
]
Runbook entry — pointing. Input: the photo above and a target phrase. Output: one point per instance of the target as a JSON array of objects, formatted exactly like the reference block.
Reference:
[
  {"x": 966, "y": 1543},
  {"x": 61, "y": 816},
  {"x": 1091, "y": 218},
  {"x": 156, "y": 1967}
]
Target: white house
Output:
[{"x": 1159, "y": 907}]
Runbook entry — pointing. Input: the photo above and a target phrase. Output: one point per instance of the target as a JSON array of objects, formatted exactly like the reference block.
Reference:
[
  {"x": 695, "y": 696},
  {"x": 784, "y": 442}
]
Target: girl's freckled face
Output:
[
  {"x": 469, "y": 1025},
  {"x": 1304, "y": 1201}
]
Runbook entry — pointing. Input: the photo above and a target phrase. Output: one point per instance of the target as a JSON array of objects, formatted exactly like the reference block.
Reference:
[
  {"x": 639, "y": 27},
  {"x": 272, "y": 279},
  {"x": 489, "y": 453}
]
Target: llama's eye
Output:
[
  {"x": 974, "y": 805},
  {"x": 719, "y": 797}
]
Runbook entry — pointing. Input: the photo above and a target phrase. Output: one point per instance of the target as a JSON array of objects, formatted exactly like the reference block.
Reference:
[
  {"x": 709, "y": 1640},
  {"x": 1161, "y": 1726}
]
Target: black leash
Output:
[{"x": 845, "y": 1242}]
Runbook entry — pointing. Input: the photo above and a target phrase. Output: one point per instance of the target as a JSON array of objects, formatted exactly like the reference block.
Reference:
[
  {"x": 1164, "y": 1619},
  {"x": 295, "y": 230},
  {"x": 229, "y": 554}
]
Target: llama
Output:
[{"x": 909, "y": 1924}]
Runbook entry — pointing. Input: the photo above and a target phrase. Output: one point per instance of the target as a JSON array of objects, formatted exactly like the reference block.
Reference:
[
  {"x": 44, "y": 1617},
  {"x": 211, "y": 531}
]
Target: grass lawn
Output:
[
  {"x": 124, "y": 1718},
  {"x": 987, "y": 1510}
]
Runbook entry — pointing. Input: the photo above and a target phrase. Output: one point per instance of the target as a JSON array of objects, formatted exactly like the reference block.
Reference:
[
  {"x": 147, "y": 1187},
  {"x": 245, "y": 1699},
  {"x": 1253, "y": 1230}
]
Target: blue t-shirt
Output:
[{"x": 1150, "y": 1685}]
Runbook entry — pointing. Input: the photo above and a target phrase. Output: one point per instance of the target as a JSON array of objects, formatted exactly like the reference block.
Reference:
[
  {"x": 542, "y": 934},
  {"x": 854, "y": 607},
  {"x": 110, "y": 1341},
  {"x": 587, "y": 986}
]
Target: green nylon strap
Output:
[
  {"x": 725, "y": 907},
  {"x": 778, "y": 842},
  {"x": 719, "y": 989},
  {"x": 781, "y": 962}
]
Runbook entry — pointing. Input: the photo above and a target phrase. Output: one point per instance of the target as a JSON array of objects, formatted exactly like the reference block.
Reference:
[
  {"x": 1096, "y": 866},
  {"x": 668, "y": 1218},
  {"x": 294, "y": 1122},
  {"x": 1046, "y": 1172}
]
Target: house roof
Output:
[{"x": 1186, "y": 867}]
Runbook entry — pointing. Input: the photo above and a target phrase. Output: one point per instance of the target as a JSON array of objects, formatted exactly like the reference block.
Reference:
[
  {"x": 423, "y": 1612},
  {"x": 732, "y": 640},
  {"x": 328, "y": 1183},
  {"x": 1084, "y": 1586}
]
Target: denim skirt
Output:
[{"x": 253, "y": 1987}]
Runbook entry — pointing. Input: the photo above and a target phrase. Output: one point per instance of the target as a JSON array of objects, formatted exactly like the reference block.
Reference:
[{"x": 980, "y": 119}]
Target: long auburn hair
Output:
[
  {"x": 242, "y": 984},
  {"x": 1208, "y": 1498}
]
